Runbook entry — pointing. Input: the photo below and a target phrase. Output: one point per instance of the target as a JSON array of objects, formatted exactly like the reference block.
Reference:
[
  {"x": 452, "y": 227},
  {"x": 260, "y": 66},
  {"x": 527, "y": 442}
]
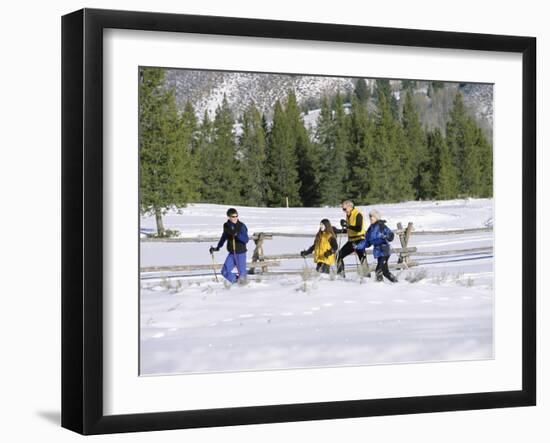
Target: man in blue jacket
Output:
[
  {"x": 236, "y": 234},
  {"x": 379, "y": 236}
]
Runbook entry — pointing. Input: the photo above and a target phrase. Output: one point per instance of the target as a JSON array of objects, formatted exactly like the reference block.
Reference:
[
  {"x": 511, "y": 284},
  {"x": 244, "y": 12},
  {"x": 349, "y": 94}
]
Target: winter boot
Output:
[
  {"x": 379, "y": 276},
  {"x": 392, "y": 278}
]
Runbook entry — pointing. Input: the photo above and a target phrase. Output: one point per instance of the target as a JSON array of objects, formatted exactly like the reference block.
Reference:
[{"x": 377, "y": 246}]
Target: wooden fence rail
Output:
[{"x": 263, "y": 261}]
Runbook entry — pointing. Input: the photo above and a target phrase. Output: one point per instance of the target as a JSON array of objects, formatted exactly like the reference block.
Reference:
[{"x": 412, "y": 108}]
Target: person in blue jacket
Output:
[
  {"x": 235, "y": 233},
  {"x": 379, "y": 236}
]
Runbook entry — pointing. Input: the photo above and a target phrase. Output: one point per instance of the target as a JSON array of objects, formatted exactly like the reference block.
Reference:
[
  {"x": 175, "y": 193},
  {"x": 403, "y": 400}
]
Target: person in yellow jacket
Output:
[
  {"x": 324, "y": 248},
  {"x": 354, "y": 226}
]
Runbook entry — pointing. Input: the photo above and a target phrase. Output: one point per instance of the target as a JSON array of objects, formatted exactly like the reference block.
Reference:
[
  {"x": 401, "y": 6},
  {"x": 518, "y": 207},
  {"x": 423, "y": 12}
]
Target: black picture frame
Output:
[{"x": 82, "y": 218}]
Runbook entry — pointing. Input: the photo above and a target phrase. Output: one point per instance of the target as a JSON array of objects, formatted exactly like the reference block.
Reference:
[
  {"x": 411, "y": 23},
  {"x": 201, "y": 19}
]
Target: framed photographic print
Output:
[{"x": 269, "y": 221}]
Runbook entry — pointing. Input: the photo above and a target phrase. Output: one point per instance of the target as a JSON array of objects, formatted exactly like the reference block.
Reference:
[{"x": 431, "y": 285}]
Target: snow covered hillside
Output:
[{"x": 440, "y": 310}]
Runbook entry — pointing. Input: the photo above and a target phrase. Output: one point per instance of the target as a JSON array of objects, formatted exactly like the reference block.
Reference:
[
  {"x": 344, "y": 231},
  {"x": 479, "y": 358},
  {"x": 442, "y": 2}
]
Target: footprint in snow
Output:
[{"x": 173, "y": 308}]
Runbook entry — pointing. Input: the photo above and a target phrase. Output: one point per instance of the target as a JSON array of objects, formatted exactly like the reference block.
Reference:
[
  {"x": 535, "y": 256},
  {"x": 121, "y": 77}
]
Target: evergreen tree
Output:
[
  {"x": 382, "y": 154},
  {"x": 383, "y": 87},
  {"x": 443, "y": 177},
  {"x": 253, "y": 148},
  {"x": 401, "y": 170},
  {"x": 186, "y": 170},
  {"x": 408, "y": 85},
  {"x": 359, "y": 153},
  {"x": 282, "y": 163},
  {"x": 470, "y": 173},
  {"x": 470, "y": 152},
  {"x": 162, "y": 157},
  {"x": 307, "y": 154},
  {"x": 333, "y": 137},
  {"x": 486, "y": 162},
  {"x": 227, "y": 184},
  {"x": 421, "y": 180},
  {"x": 190, "y": 126},
  {"x": 206, "y": 154},
  {"x": 361, "y": 92},
  {"x": 390, "y": 167},
  {"x": 455, "y": 131}
]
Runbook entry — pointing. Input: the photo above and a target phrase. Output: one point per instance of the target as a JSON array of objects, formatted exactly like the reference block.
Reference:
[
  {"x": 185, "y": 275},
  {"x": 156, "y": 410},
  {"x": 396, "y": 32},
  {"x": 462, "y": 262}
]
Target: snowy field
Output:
[{"x": 440, "y": 310}]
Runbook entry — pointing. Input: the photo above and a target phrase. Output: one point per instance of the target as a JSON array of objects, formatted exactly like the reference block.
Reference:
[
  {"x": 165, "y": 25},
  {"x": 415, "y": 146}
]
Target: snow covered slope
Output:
[{"x": 441, "y": 310}]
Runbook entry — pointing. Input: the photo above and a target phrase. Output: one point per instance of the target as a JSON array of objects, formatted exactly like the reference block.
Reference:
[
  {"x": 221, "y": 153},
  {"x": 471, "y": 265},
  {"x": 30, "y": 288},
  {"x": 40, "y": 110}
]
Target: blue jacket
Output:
[
  {"x": 236, "y": 235},
  {"x": 379, "y": 236}
]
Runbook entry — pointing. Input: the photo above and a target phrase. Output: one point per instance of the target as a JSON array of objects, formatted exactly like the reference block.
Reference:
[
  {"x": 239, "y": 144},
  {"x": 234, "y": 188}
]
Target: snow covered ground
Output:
[{"x": 441, "y": 310}]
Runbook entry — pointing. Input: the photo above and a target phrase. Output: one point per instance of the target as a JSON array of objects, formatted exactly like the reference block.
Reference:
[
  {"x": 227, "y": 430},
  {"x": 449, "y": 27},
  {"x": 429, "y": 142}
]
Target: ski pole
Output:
[
  {"x": 214, "y": 267},
  {"x": 305, "y": 262},
  {"x": 235, "y": 258}
]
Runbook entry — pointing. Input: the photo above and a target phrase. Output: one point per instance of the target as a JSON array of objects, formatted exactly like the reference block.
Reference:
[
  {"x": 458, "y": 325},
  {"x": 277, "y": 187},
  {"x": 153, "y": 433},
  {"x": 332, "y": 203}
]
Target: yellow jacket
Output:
[
  {"x": 355, "y": 234},
  {"x": 323, "y": 244}
]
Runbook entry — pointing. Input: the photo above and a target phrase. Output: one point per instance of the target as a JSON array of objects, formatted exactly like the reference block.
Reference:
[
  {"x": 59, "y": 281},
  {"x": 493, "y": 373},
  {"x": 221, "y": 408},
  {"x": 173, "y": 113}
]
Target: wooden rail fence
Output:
[{"x": 262, "y": 261}]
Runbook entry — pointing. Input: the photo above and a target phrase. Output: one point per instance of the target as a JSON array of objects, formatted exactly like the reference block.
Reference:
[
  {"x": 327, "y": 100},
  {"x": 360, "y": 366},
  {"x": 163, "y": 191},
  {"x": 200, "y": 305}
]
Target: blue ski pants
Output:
[{"x": 230, "y": 263}]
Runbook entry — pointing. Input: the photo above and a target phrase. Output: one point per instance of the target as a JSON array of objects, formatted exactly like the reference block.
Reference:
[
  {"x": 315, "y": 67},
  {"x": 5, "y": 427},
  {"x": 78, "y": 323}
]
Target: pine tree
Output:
[
  {"x": 443, "y": 177},
  {"x": 470, "y": 173},
  {"x": 186, "y": 171},
  {"x": 470, "y": 152},
  {"x": 333, "y": 135},
  {"x": 253, "y": 148},
  {"x": 416, "y": 138},
  {"x": 162, "y": 156},
  {"x": 282, "y": 162},
  {"x": 205, "y": 153},
  {"x": 307, "y": 154},
  {"x": 401, "y": 169},
  {"x": 359, "y": 153},
  {"x": 486, "y": 162},
  {"x": 383, "y": 154},
  {"x": 361, "y": 92},
  {"x": 383, "y": 87},
  {"x": 227, "y": 184},
  {"x": 408, "y": 85}
]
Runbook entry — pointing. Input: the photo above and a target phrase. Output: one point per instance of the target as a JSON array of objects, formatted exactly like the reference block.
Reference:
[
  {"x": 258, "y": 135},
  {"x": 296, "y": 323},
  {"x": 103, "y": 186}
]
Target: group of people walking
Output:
[{"x": 325, "y": 250}]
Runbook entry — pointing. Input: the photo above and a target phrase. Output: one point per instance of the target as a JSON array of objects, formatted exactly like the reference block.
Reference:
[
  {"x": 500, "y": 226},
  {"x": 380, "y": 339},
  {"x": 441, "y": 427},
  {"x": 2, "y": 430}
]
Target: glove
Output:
[
  {"x": 213, "y": 249},
  {"x": 303, "y": 253},
  {"x": 327, "y": 253},
  {"x": 343, "y": 223}
]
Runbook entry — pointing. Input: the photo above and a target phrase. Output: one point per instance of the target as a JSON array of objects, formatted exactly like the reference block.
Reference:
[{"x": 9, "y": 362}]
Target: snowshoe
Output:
[
  {"x": 242, "y": 281},
  {"x": 227, "y": 284}
]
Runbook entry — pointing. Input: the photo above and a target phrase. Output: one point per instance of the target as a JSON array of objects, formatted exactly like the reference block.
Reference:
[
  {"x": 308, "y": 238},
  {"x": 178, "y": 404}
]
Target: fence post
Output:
[
  {"x": 407, "y": 236},
  {"x": 258, "y": 255},
  {"x": 401, "y": 240}
]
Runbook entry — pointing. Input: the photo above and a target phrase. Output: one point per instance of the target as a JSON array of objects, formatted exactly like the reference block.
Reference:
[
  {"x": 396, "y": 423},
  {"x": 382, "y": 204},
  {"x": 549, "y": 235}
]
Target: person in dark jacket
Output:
[
  {"x": 379, "y": 237},
  {"x": 324, "y": 248},
  {"x": 236, "y": 234},
  {"x": 354, "y": 226}
]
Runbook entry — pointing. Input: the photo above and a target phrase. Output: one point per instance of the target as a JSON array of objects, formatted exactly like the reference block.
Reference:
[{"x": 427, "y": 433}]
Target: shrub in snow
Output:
[{"x": 416, "y": 275}]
